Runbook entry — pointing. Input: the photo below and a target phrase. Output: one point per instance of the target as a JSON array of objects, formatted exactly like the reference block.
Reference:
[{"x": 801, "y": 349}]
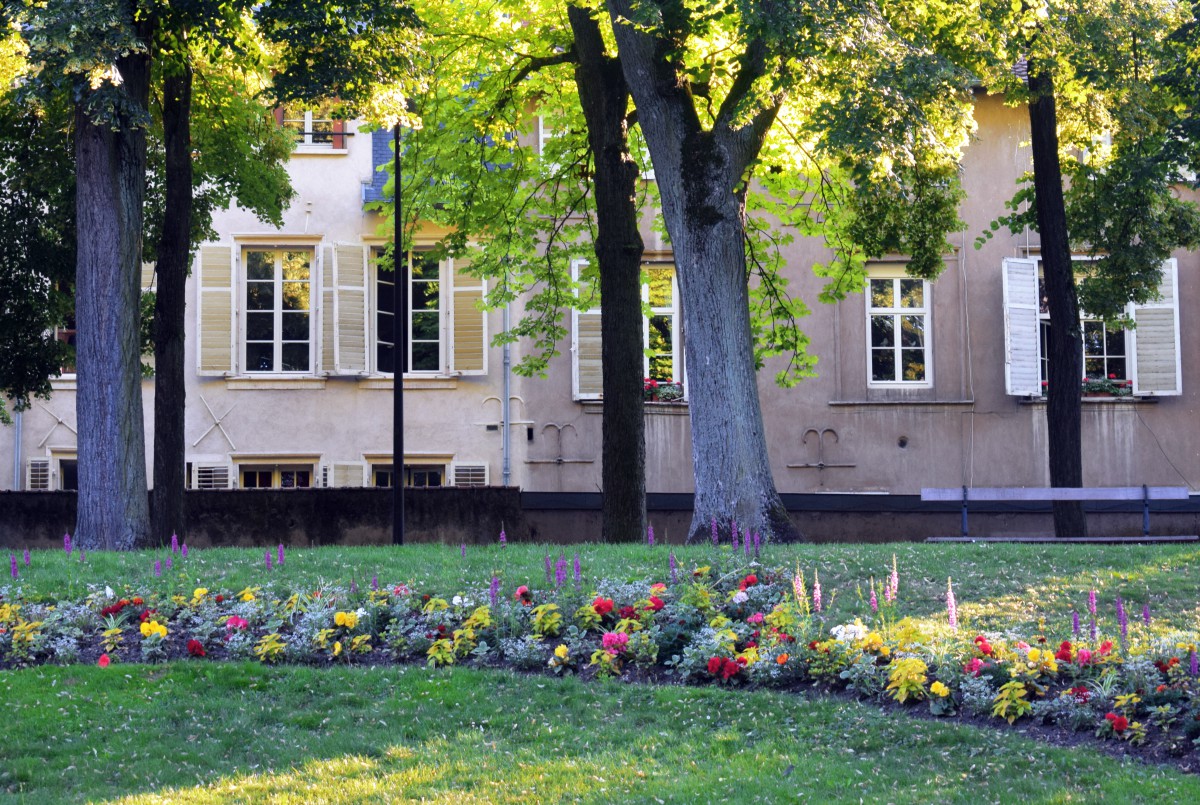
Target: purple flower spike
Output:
[
  {"x": 503, "y": 538},
  {"x": 734, "y": 536},
  {"x": 650, "y": 535},
  {"x": 578, "y": 570},
  {"x": 170, "y": 563},
  {"x": 716, "y": 537},
  {"x": 494, "y": 590},
  {"x": 279, "y": 555},
  {"x": 375, "y": 582},
  {"x": 183, "y": 550},
  {"x": 12, "y": 564},
  {"x": 174, "y": 543},
  {"x": 549, "y": 570},
  {"x": 1092, "y": 603},
  {"x": 874, "y": 601},
  {"x": 1146, "y": 614},
  {"x": 1195, "y": 665},
  {"x": 1075, "y": 623},
  {"x": 157, "y": 568},
  {"x": 462, "y": 550},
  {"x": 26, "y": 557},
  {"x": 951, "y": 606},
  {"x": 67, "y": 543},
  {"x": 1122, "y": 619},
  {"x": 674, "y": 569},
  {"x": 267, "y": 558},
  {"x": 560, "y": 571}
]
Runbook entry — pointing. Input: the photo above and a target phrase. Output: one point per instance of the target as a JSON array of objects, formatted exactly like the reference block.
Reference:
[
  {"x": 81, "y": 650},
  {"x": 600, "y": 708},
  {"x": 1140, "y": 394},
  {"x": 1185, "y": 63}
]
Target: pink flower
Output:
[
  {"x": 1022, "y": 645},
  {"x": 974, "y": 666},
  {"x": 614, "y": 642},
  {"x": 756, "y": 618},
  {"x": 103, "y": 661},
  {"x": 1083, "y": 656}
]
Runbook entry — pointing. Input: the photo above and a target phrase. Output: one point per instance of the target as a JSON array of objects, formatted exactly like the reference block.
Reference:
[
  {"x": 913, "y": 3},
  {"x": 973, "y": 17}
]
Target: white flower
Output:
[
  {"x": 108, "y": 592},
  {"x": 849, "y": 632},
  {"x": 740, "y": 597}
]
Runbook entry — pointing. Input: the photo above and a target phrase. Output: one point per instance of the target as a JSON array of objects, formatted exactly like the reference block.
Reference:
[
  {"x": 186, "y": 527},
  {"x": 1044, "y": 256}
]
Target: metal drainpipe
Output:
[
  {"x": 505, "y": 413},
  {"x": 17, "y": 451}
]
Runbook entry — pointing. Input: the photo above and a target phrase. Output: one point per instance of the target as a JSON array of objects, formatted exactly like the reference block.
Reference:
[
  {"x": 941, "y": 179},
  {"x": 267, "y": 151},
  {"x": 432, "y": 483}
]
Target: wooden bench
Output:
[{"x": 966, "y": 495}]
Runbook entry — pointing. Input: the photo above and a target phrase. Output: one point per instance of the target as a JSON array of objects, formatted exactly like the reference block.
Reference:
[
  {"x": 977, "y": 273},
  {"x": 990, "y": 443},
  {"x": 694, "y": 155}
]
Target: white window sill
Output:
[
  {"x": 651, "y": 408},
  {"x": 319, "y": 151},
  {"x": 249, "y": 382}
]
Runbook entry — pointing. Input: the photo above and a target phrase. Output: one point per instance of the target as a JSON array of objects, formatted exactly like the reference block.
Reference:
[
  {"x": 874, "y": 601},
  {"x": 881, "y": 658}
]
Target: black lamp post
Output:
[{"x": 400, "y": 354}]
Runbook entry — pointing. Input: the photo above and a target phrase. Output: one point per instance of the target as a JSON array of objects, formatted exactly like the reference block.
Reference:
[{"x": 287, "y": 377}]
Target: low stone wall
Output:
[{"x": 306, "y": 517}]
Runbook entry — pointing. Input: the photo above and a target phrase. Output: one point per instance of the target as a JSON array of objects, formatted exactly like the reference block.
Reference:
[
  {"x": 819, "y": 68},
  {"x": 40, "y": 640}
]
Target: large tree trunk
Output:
[
  {"x": 605, "y": 98},
  {"x": 699, "y": 174},
  {"x": 1063, "y": 406},
  {"x": 173, "y": 253},
  {"x": 110, "y": 186}
]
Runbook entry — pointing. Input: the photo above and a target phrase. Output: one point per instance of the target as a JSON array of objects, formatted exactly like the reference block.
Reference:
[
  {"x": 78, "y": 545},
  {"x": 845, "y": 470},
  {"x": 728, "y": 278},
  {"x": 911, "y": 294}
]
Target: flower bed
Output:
[{"x": 740, "y": 624}]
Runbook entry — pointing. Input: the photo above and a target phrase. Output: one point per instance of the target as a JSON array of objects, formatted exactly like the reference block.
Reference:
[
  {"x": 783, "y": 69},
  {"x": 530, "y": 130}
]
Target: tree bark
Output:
[
  {"x": 173, "y": 256},
  {"x": 1063, "y": 405},
  {"x": 110, "y": 161},
  {"x": 604, "y": 98},
  {"x": 700, "y": 174}
]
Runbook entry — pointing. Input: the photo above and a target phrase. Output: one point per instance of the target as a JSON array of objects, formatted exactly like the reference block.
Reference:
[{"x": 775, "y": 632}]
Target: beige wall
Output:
[{"x": 962, "y": 430}]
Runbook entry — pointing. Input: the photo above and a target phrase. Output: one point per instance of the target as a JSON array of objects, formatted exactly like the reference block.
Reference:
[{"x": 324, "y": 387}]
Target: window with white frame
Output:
[
  {"x": 315, "y": 128},
  {"x": 897, "y": 329},
  {"x": 1146, "y": 358},
  {"x": 445, "y": 327},
  {"x": 278, "y": 310},
  {"x": 275, "y": 476},
  {"x": 662, "y": 339}
]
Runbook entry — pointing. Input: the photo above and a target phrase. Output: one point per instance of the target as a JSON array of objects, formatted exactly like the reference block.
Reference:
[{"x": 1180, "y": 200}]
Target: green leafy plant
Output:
[{"x": 1012, "y": 701}]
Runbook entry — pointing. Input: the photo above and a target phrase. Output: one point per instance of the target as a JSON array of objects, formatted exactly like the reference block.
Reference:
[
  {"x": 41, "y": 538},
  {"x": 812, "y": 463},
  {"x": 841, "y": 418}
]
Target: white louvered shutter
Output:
[
  {"x": 327, "y": 312},
  {"x": 468, "y": 321},
  {"x": 586, "y": 376},
  {"x": 350, "y": 274},
  {"x": 212, "y": 476},
  {"x": 1156, "y": 356},
  {"x": 347, "y": 473},
  {"x": 1021, "y": 376},
  {"x": 215, "y": 311},
  {"x": 37, "y": 477}
]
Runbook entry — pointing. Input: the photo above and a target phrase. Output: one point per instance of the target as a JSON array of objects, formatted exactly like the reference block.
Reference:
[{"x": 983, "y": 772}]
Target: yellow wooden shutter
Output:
[
  {"x": 215, "y": 311},
  {"x": 350, "y": 339},
  {"x": 468, "y": 345}
]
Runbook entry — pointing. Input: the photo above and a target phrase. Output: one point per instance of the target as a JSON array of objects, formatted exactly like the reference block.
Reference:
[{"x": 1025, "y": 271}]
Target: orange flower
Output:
[{"x": 782, "y": 659}]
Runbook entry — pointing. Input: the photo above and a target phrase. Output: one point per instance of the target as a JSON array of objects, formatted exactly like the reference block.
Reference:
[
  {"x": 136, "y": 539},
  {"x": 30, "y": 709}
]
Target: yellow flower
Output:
[
  {"x": 247, "y": 594},
  {"x": 150, "y": 628},
  {"x": 199, "y": 593},
  {"x": 347, "y": 619},
  {"x": 561, "y": 652},
  {"x": 1034, "y": 655},
  {"x": 939, "y": 689},
  {"x": 337, "y": 648}
]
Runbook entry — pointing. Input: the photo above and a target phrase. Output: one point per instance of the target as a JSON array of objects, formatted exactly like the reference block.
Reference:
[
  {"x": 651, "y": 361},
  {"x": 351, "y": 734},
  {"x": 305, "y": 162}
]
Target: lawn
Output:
[{"x": 196, "y": 730}]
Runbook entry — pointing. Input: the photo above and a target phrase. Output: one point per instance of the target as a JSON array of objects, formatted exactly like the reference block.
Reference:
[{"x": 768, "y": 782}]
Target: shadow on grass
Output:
[{"x": 213, "y": 733}]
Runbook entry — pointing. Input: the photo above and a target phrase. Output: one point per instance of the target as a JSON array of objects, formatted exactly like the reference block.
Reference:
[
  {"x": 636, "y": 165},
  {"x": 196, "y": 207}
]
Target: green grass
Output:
[
  {"x": 998, "y": 586},
  {"x": 204, "y": 733}
]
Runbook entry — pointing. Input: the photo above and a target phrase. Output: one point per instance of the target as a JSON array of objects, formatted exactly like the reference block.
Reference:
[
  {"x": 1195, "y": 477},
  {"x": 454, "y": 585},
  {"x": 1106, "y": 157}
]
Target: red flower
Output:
[
  {"x": 103, "y": 661},
  {"x": 1081, "y": 694},
  {"x": 195, "y": 648},
  {"x": 751, "y": 644},
  {"x": 714, "y": 665},
  {"x": 146, "y": 615},
  {"x": 1119, "y": 723},
  {"x": 1106, "y": 647},
  {"x": 137, "y": 601},
  {"x": 220, "y": 598},
  {"x": 974, "y": 666},
  {"x": 1064, "y": 652},
  {"x": 602, "y": 605},
  {"x": 655, "y": 604},
  {"x": 729, "y": 668},
  {"x": 627, "y": 613},
  {"x": 523, "y": 595}
]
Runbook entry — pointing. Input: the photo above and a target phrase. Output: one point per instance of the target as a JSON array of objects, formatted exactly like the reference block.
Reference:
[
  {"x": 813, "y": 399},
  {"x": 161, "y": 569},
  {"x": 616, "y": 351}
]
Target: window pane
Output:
[
  {"x": 662, "y": 368},
  {"x": 295, "y": 357},
  {"x": 260, "y": 326},
  {"x": 660, "y": 286},
  {"x": 425, "y": 295},
  {"x": 912, "y": 293},
  {"x": 385, "y": 295},
  {"x": 260, "y": 357},
  {"x": 660, "y": 333},
  {"x": 1116, "y": 366},
  {"x": 424, "y": 267},
  {"x": 1093, "y": 338},
  {"x": 914, "y": 364},
  {"x": 425, "y": 327},
  {"x": 295, "y": 295},
  {"x": 912, "y": 331},
  {"x": 260, "y": 265},
  {"x": 425, "y": 357},
  {"x": 295, "y": 326},
  {"x": 882, "y": 331},
  {"x": 386, "y": 325},
  {"x": 881, "y": 293},
  {"x": 1094, "y": 367},
  {"x": 883, "y": 364},
  {"x": 260, "y": 296},
  {"x": 295, "y": 266},
  {"x": 1114, "y": 343},
  {"x": 386, "y": 358}
]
